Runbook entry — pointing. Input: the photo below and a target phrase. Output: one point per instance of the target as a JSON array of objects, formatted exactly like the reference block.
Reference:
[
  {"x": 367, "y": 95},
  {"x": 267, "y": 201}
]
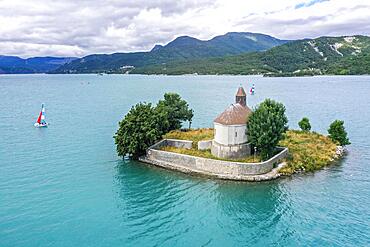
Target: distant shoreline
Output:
[{"x": 251, "y": 75}]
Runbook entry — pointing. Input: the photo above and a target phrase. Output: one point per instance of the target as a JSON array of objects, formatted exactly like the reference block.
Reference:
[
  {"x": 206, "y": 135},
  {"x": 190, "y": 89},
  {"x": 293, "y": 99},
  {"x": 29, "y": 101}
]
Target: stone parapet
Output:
[
  {"x": 172, "y": 143},
  {"x": 230, "y": 151},
  {"x": 203, "y": 145},
  {"x": 212, "y": 167}
]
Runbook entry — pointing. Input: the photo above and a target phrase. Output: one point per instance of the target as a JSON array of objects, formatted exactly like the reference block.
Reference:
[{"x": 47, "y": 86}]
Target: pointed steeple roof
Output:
[{"x": 241, "y": 92}]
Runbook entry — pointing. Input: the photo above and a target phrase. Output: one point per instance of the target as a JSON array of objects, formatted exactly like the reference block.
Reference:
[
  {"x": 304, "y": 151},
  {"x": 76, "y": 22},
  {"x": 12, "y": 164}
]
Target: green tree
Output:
[
  {"x": 177, "y": 110},
  {"x": 338, "y": 133},
  {"x": 266, "y": 126},
  {"x": 304, "y": 124},
  {"x": 139, "y": 129},
  {"x": 189, "y": 117}
]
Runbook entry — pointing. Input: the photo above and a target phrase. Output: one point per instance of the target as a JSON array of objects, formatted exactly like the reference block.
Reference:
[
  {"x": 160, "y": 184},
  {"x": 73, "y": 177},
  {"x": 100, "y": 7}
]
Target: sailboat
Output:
[
  {"x": 41, "y": 119},
  {"x": 251, "y": 91}
]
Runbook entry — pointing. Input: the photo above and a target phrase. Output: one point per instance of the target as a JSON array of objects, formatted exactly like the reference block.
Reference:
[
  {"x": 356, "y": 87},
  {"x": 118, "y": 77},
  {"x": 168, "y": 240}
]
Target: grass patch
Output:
[
  {"x": 308, "y": 151},
  {"x": 194, "y": 135},
  {"x": 207, "y": 154}
]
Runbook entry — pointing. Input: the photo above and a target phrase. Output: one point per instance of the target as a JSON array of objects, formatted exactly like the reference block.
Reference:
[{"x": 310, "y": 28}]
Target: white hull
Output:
[{"x": 37, "y": 125}]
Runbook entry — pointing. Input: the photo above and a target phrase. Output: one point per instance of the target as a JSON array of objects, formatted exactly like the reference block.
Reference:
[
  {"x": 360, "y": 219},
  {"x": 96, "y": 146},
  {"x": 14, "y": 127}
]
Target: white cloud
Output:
[
  {"x": 14, "y": 48},
  {"x": 77, "y": 28}
]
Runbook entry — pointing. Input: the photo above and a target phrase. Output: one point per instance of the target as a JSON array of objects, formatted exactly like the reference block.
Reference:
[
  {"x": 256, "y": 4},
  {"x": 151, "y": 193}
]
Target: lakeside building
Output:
[
  {"x": 230, "y": 137},
  {"x": 230, "y": 142}
]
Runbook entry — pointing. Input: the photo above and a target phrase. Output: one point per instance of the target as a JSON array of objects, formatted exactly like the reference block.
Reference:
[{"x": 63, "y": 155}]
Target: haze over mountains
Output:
[
  {"x": 349, "y": 55},
  {"x": 181, "y": 49},
  {"x": 232, "y": 53},
  {"x": 17, "y": 65}
]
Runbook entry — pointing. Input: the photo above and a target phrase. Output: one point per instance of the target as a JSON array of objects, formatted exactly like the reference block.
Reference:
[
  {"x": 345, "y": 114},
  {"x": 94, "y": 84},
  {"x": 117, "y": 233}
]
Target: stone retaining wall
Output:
[
  {"x": 230, "y": 151},
  {"x": 203, "y": 145},
  {"x": 178, "y": 143},
  {"x": 172, "y": 143},
  {"x": 213, "y": 167}
]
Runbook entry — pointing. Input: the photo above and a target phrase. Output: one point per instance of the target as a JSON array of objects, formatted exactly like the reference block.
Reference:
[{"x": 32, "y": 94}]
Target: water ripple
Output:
[{"x": 65, "y": 185}]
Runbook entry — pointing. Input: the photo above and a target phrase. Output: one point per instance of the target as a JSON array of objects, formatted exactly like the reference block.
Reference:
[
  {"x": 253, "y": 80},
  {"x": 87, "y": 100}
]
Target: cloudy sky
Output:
[{"x": 81, "y": 27}]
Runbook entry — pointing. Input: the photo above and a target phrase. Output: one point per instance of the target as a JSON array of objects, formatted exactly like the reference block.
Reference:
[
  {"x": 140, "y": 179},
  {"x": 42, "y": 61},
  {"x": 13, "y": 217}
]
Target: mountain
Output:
[
  {"x": 156, "y": 48},
  {"x": 183, "y": 48},
  {"x": 324, "y": 55},
  {"x": 17, "y": 65},
  {"x": 236, "y": 43},
  {"x": 232, "y": 53}
]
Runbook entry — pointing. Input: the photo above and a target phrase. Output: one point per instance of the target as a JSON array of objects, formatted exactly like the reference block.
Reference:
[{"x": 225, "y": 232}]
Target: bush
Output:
[
  {"x": 304, "y": 124},
  {"x": 338, "y": 133},
  {"x": 139, "y": 129},
  {"x": 266, "y": 126},
  {"x": 176, "y": 109}
]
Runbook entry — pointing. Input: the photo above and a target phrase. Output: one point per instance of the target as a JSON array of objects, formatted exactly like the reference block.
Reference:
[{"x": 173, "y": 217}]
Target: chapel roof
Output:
[
  {"x": 233, "y": 115},
  {"x": 241, "y": 92}
]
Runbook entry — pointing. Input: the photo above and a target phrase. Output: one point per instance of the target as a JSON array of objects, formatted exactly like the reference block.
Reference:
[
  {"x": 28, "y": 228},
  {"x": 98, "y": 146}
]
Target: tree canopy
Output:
[
  {"x": 266, "y": 126},
  {"x": 177, "y": 110},
  {"x": 139, "y": 129},
  {"x": 145, "y": 124},
  {"x": 304, "y": 124},
  {"x": 338, "y": 133}
]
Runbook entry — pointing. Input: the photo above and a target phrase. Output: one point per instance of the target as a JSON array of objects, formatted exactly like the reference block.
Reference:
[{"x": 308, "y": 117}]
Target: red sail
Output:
[{"x": 39, "y": 118}]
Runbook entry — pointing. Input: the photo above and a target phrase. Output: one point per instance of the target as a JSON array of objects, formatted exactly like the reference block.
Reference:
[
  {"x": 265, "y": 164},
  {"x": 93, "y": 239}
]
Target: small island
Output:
[
  {"x": 308, "y": 151},
  {"x": 244, "y": 144}
]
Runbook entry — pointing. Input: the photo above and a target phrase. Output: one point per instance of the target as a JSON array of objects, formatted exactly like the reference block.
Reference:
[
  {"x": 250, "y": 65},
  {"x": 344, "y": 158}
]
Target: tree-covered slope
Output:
[
  {"x": 325, "y": 55},
  {"x": 183, "y": 49},
  {"x": 17, "y": 65}
]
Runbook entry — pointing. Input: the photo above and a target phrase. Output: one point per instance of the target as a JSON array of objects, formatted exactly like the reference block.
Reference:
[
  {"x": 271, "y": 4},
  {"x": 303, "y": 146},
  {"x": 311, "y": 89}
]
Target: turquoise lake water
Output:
[{"x": 65, "y": 185}]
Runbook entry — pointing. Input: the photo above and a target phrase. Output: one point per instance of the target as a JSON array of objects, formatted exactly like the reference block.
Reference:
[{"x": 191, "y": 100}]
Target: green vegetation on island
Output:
[
  {"x": 145, "y": 124},
  {"x": 140, "y": 128},
  {"x": 194, "y": 135},
  {"x": 207, "y": 154},
  {"x": 304, "y": 124},
  {"x": 266, "y": 126},
  {"x": 176, "y": 109},
  {"x": 338, "y": 133},
  {"x": 308, "y": 151}
]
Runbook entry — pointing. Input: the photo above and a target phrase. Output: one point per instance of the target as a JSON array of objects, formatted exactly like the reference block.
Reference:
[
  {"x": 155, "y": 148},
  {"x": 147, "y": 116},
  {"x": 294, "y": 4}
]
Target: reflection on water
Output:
[
  {"x": 253, "y": 210},
  {"x": 155, "y": 202},
  {"x": 166, "y": 208},
  {"x": 65, "y": 185}
]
